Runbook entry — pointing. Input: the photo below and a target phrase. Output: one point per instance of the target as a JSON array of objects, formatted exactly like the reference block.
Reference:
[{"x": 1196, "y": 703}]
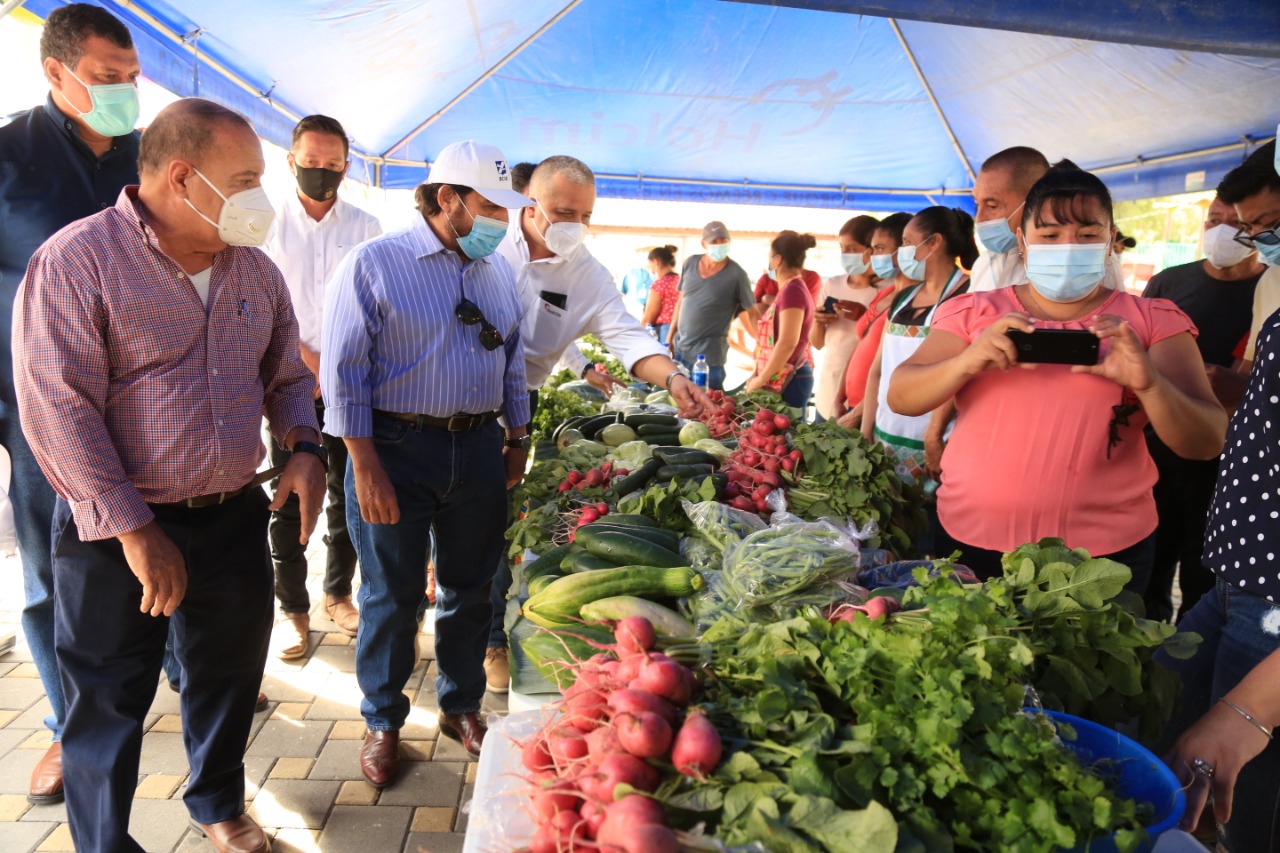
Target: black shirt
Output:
[
  {"x": 48, "y": 179},
  {"x": 1243, "y": 534},
  {"x": 1221, "y": 310}
]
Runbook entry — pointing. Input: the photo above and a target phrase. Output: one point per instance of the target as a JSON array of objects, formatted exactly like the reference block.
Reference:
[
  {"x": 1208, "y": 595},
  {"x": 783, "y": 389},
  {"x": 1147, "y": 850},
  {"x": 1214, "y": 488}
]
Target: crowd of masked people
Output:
[{"x": 161, "y": 305}]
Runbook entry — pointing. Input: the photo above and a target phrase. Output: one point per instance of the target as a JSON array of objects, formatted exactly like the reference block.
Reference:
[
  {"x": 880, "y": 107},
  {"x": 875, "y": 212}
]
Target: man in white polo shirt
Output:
[
  {"x": 315, "y": 230},
  {"x": 566, "y": 294}
]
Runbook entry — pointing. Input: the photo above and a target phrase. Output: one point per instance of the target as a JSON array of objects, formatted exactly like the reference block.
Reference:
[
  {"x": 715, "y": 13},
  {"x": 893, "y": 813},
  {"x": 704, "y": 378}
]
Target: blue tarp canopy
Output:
[{"x": 824, "y": 103}]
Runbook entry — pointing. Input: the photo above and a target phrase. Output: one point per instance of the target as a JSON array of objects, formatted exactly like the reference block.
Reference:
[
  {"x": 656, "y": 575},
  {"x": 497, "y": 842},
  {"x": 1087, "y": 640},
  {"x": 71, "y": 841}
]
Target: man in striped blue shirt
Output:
[{"x": 421, "y": 359}]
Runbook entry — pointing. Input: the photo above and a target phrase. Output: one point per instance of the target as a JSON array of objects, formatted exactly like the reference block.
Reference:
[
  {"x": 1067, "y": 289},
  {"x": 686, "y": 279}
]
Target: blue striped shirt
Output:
[{"x": 392, "y": 341}]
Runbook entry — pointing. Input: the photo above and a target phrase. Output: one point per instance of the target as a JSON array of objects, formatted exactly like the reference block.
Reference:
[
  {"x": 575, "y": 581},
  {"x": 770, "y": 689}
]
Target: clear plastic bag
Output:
[
  {"x": 722, "y": 525},
  {"x": 791, "y": 564}
]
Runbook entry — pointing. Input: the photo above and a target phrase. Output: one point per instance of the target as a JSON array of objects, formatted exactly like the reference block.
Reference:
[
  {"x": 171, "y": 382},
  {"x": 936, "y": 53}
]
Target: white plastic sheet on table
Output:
[
  {"x": 499, "y": 818},
  {"x": 1177, "y": 841}
]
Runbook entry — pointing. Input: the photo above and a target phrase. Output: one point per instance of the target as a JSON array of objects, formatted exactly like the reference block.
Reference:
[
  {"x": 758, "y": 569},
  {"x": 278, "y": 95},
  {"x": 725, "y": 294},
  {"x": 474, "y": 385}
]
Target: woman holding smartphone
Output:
[
  {"x": 841, "y": 303},
  {"x": 1057, "y": 450}
]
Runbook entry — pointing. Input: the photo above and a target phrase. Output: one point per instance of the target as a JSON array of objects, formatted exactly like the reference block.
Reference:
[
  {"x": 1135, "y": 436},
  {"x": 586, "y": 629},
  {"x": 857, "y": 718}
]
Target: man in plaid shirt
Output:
[{"x": 149, "y": 340}]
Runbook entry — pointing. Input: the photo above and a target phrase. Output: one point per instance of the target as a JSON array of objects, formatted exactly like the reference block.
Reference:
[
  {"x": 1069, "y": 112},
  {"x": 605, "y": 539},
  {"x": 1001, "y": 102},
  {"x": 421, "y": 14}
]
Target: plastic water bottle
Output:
[
  {"x": 652, "y": 330},
  {"x": 700, "y": 371}
]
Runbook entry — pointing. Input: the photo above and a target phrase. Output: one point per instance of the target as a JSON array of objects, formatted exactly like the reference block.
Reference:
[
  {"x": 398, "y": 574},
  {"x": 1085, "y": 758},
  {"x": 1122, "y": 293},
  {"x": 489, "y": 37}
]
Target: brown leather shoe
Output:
[
  {"x": 343, "y": 613},
  {"x": 260, "y": 704},
  {"x": 380, "y": 758},
  {"x": 238, "y": 835},
  {"x": 468, "y": 729},
  {"x": 46, "y": 778},
  {"x": 295, "y": 630}
]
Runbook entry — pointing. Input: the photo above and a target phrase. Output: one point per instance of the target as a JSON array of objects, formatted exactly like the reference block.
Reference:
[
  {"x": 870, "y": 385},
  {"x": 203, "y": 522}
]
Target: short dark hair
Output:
[
  {"x": 67, "y": 27},
  {"x": 1255, "y": 174},
  {"x": 183, "y": 131},
  {"x": 1025, "y": 165},
  {"x": 956, "y": 228},
  {"x": 665, "y": 255},
  {"x": 860, "y": 228},
  {"x": 1064, "y": 189},
  {"x": 322, "y": 124},
  {"x": 791, "y": 247},
  {"x": 425, "y": 197},
  {"x": 521, "y": 174},
  {"x": 893, "y": 225}
]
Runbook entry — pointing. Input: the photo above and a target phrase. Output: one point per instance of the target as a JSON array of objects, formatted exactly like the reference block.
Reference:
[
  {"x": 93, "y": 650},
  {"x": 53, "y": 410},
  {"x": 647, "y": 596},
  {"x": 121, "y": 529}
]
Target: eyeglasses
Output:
[
  {"x": 470, "y": 314},
  {"x": 1262, "y": 238}
]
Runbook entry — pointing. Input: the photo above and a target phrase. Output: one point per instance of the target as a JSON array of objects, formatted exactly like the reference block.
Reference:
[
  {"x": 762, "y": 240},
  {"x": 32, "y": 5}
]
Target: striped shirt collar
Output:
[{"x": 425, "y": 242}]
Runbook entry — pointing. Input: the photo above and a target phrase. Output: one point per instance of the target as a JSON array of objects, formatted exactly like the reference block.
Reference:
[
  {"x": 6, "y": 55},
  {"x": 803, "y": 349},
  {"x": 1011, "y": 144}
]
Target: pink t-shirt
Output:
[{"x": 1028, "y": 455}]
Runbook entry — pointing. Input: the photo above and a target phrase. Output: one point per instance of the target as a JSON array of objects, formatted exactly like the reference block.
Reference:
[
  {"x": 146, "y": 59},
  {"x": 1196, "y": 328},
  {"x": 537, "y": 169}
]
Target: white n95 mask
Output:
[{"x": 245, "y": 217}]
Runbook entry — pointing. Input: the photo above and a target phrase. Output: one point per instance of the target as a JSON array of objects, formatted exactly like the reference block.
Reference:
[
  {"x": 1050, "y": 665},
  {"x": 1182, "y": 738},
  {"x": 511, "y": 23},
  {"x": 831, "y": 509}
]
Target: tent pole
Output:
[
  {"x": 479, "y": 81},
  {"x": 928, "y": 90},
  {"x": 9, "y": 6},
  {"x": 1185, "y": 155}
]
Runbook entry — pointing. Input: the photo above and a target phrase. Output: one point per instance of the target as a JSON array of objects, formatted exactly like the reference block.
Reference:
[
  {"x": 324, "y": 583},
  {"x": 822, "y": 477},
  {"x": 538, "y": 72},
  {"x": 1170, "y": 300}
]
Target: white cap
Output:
[{"x": 481, "y": 167}]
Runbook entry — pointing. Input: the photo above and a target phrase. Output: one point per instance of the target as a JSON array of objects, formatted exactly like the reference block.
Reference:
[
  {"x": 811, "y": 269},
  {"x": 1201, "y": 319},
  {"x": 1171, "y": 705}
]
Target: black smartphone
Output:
[
  {"x": 829, "y": 307},
  {"x": 1056, "y": 346}
]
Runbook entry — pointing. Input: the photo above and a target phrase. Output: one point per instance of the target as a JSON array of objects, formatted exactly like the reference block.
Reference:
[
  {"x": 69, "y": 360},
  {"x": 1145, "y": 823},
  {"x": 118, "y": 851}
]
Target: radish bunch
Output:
[
  {"x": 760, "y": 463},
  {"x": 600, "y": 477},
  {"x": 626, "y": 715},
  {"x": 721, "y": 415}
]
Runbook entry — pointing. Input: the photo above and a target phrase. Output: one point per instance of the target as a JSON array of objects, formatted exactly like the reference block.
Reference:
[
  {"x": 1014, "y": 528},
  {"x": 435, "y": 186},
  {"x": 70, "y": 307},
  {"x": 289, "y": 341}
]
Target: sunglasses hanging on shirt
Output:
[{"x": 470, "y": 314}]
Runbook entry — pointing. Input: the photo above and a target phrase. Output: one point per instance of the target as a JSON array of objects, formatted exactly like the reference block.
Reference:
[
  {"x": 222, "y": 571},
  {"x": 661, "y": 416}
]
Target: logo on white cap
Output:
[
  {"x": 463, "y": 164},
  {"x": 502, "y": 168}
]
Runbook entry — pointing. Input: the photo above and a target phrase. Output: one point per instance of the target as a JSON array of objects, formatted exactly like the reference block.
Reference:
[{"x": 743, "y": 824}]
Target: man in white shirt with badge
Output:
[
  {"x": 566, "y": 294},
  {"x": 315, "y": 230}
]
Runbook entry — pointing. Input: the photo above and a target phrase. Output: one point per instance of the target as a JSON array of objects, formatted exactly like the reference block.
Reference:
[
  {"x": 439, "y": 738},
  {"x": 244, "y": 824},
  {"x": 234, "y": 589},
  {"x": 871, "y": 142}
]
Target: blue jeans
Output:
[
  {"x": 451, "y": 490},
  {"x": 715, "y": 372},
  {"x": 33, "y": 498},
  {"x": 110, "y": 653},
  {"x": 1239, "y": 630},
  {"x": 800, "y": 388}
]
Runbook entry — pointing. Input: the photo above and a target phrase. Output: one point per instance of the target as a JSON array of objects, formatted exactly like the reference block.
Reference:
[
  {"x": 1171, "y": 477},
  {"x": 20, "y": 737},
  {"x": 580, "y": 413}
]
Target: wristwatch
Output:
[
  {"x": 524, "y": 442},
  {"x": 315, "y": 450},
  {"x": 679, "y": 371}
]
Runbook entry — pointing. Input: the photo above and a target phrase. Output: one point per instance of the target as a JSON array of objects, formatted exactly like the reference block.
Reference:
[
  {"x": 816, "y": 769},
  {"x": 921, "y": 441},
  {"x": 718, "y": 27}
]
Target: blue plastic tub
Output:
[{"x": 1139, "y": 775}]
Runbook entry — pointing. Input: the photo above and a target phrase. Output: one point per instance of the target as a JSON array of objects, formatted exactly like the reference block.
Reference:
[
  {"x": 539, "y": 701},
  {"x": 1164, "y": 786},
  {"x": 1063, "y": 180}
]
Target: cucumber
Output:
[
  {"x": 637, "y": 421},
  {"x": 543, "y": 581},
  {"x": 666, "y": 622},
  {"x": 684, "y": 472},
  {"x": 583, "y": 561},
  {"x": 592, "y": 425},
  {"x": 666, "y": 538},
  {"x": 631, "y": 519},
  {"x": 548, "y": 562},
  {"x": 663, "y": 439},
  {"x": 561, "y": 601},
  {"x": 572, "y": 423},
  {"x": 685, "y": 456},
  {"x": 627, "y": 549},
  {"x": 637, "y": 479},
  {"x": 655, "y": 429}
]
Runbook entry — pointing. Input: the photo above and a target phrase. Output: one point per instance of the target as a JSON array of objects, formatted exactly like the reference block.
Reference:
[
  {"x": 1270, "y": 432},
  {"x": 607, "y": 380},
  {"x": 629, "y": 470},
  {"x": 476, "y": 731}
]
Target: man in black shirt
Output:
[
  {"x": 1217, "y": 294},
  {"x": 59, "y": 162}
]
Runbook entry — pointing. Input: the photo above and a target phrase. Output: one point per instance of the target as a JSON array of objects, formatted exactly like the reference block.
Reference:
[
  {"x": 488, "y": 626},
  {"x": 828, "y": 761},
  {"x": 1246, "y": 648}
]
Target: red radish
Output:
[
  {"x": 652, "y": 838},
  {"x": 881, "y": 606},
  {"x": 661, "y": 678},
  {"x": 644, "y": 735},
  {"x": 772, "y": 465},
  {"x": 624, "y": 769},
  {"x": 606, "y": 467},
  {"x": 788, "y": 465},
  {"x": 586, "y": 710},
  {"x": 565, "y": 745},
  {"x": 603, "y": 742},
  {"x": 634, "y": 634},
  {"x": 782, "y": 422},
  {"x": 564, "y": 487},
  {"x": 771, "y": 479},
  {"x": 574, "y": 477},
  {"x": 556, "y": 798},
  {"x": 763, "y": 427},
  {"x": 633, "y": 701},
  {"x": 620, "y": 472},
  {"x": 697, "y": 748},
  {"x": 534, "y": 754},
  {"x": 593, "y": 478},
  {"x": 592, "y": 816},
  {"x": 760, "y": 493},
  {"x": 623, "y": 817},
  {"x": 743, "y": 503},
  {"x": 602, "y": 508},
  {"x": 588, "y": 516}
]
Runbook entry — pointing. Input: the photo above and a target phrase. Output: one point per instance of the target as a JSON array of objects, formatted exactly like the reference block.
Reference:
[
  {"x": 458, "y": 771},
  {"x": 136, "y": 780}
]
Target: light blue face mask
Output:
[
  {"x": 1066, "y": 272},
  {"x": 773, "y": 274},
  {"x": 115, "y": 107},
  {"x": 718, "y": 251},
  {"x": 1270, "y": 254},
  {"x": 882, "y": 266},
  {"x": 996, "y": 235},
  {"x": 854, "y": 263},
  {"x": 484, "y": 238},
  {"x": 911, "y": 266}
]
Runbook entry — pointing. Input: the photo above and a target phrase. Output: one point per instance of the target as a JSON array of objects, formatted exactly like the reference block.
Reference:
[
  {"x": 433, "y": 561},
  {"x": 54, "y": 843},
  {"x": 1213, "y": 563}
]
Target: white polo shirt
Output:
[
  {"x": 591, "y": 305},
  {"x": 308, "y": 252}
]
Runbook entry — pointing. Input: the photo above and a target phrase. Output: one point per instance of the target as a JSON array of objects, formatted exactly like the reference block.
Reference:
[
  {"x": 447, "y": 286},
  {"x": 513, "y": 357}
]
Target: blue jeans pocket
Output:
[{"x": 388, "y": 431}]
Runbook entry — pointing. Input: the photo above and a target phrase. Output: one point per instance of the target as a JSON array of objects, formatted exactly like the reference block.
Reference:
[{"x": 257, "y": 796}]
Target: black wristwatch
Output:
[
  {"x": 315, "y": 450},
  {"x": 524, "y": 442}
]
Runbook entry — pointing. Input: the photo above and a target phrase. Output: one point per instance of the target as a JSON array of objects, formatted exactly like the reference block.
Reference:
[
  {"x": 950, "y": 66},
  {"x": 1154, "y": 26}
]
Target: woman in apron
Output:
[
  {"x": 783, "y": 363},
  {"x": 937, "y": 247}
]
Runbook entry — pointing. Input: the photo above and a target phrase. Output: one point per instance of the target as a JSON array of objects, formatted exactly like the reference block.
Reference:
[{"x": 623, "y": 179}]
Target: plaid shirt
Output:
[{"x": 130, "y": 391}]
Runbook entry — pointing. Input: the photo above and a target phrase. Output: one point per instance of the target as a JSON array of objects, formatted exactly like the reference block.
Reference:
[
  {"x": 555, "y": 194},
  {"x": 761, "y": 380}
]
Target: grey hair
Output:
[
  {"x": 561, "y": 164},
  {"x": 183, "y": 131}
]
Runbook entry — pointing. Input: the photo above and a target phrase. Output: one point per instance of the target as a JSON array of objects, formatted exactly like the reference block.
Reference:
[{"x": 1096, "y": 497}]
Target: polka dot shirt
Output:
[{"x": 1244, "y": 520}]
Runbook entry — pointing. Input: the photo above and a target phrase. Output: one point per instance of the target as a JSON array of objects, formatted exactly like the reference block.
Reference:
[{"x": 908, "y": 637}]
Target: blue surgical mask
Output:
[
  {"x": 1270, "y": 254},
  {"x": 718, "y": 251},
  {"x": 854, "y": 263},
  {"x": 484, "y": 238},
  {"x": 1066, "y": 272},
  {"x": 911, "y": 266},
  {"x": 996, "y": 235},
  {"x": 882, "y": 266},
  {"x": 773, "y": 274},
  {"x": 115, "y": 107}
]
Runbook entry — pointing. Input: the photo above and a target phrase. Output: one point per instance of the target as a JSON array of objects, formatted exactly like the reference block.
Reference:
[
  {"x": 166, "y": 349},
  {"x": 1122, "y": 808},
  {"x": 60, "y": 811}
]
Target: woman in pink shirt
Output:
[{"x": 1052, "y": 450}]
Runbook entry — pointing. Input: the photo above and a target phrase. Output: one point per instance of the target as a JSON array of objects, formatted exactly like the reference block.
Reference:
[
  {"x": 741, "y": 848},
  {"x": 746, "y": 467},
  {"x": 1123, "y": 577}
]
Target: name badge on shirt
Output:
[{"x": 547, "y": 308}]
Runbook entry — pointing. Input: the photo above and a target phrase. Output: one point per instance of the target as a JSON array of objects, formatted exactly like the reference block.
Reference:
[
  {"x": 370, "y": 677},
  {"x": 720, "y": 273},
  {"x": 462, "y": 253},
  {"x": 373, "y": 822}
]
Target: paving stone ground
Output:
[{"x": 302, "y": 763}]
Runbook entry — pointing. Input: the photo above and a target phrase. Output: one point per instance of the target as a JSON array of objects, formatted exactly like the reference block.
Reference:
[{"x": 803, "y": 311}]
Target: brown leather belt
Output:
[
  {"x": 218, "y": 498},
  {"x": 461, "y": 422}
]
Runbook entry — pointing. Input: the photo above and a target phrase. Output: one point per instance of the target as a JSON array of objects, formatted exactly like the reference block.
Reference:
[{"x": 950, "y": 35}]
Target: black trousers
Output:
[
  {"x": 1183, "y": 494},
  {"x": 289, "y": 555},
  {"x": 109, "y": 654}
]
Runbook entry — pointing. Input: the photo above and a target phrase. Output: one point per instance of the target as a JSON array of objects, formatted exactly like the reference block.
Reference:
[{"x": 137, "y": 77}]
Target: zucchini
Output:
[
  {"x": 684, "y": 472},
  {"x": 655, "y": 429},
  {"x": 666, "y": 622},
  {"x": 666, "y": 538},
  {"x": 631, "y": 519},
  {"x": 666, "y": 421},
  {"x": 685, "y": 456},
  {"x": 561, "y": 602},
  {"x": 627, "y": 549},
  {"x": 592, "y": 425},
  {"x": 543, "y": 581},
  {"x": 663, "y": 439},
  {"x": 585, "y": 562},
  {"x": 548, "y": 562},
  {"x": 637, "y": 479}
]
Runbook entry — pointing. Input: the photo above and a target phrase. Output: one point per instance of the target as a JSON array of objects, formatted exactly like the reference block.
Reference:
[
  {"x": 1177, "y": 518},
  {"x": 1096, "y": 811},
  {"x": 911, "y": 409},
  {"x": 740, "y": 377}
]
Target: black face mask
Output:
[{"x": 319, "y": 184}]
